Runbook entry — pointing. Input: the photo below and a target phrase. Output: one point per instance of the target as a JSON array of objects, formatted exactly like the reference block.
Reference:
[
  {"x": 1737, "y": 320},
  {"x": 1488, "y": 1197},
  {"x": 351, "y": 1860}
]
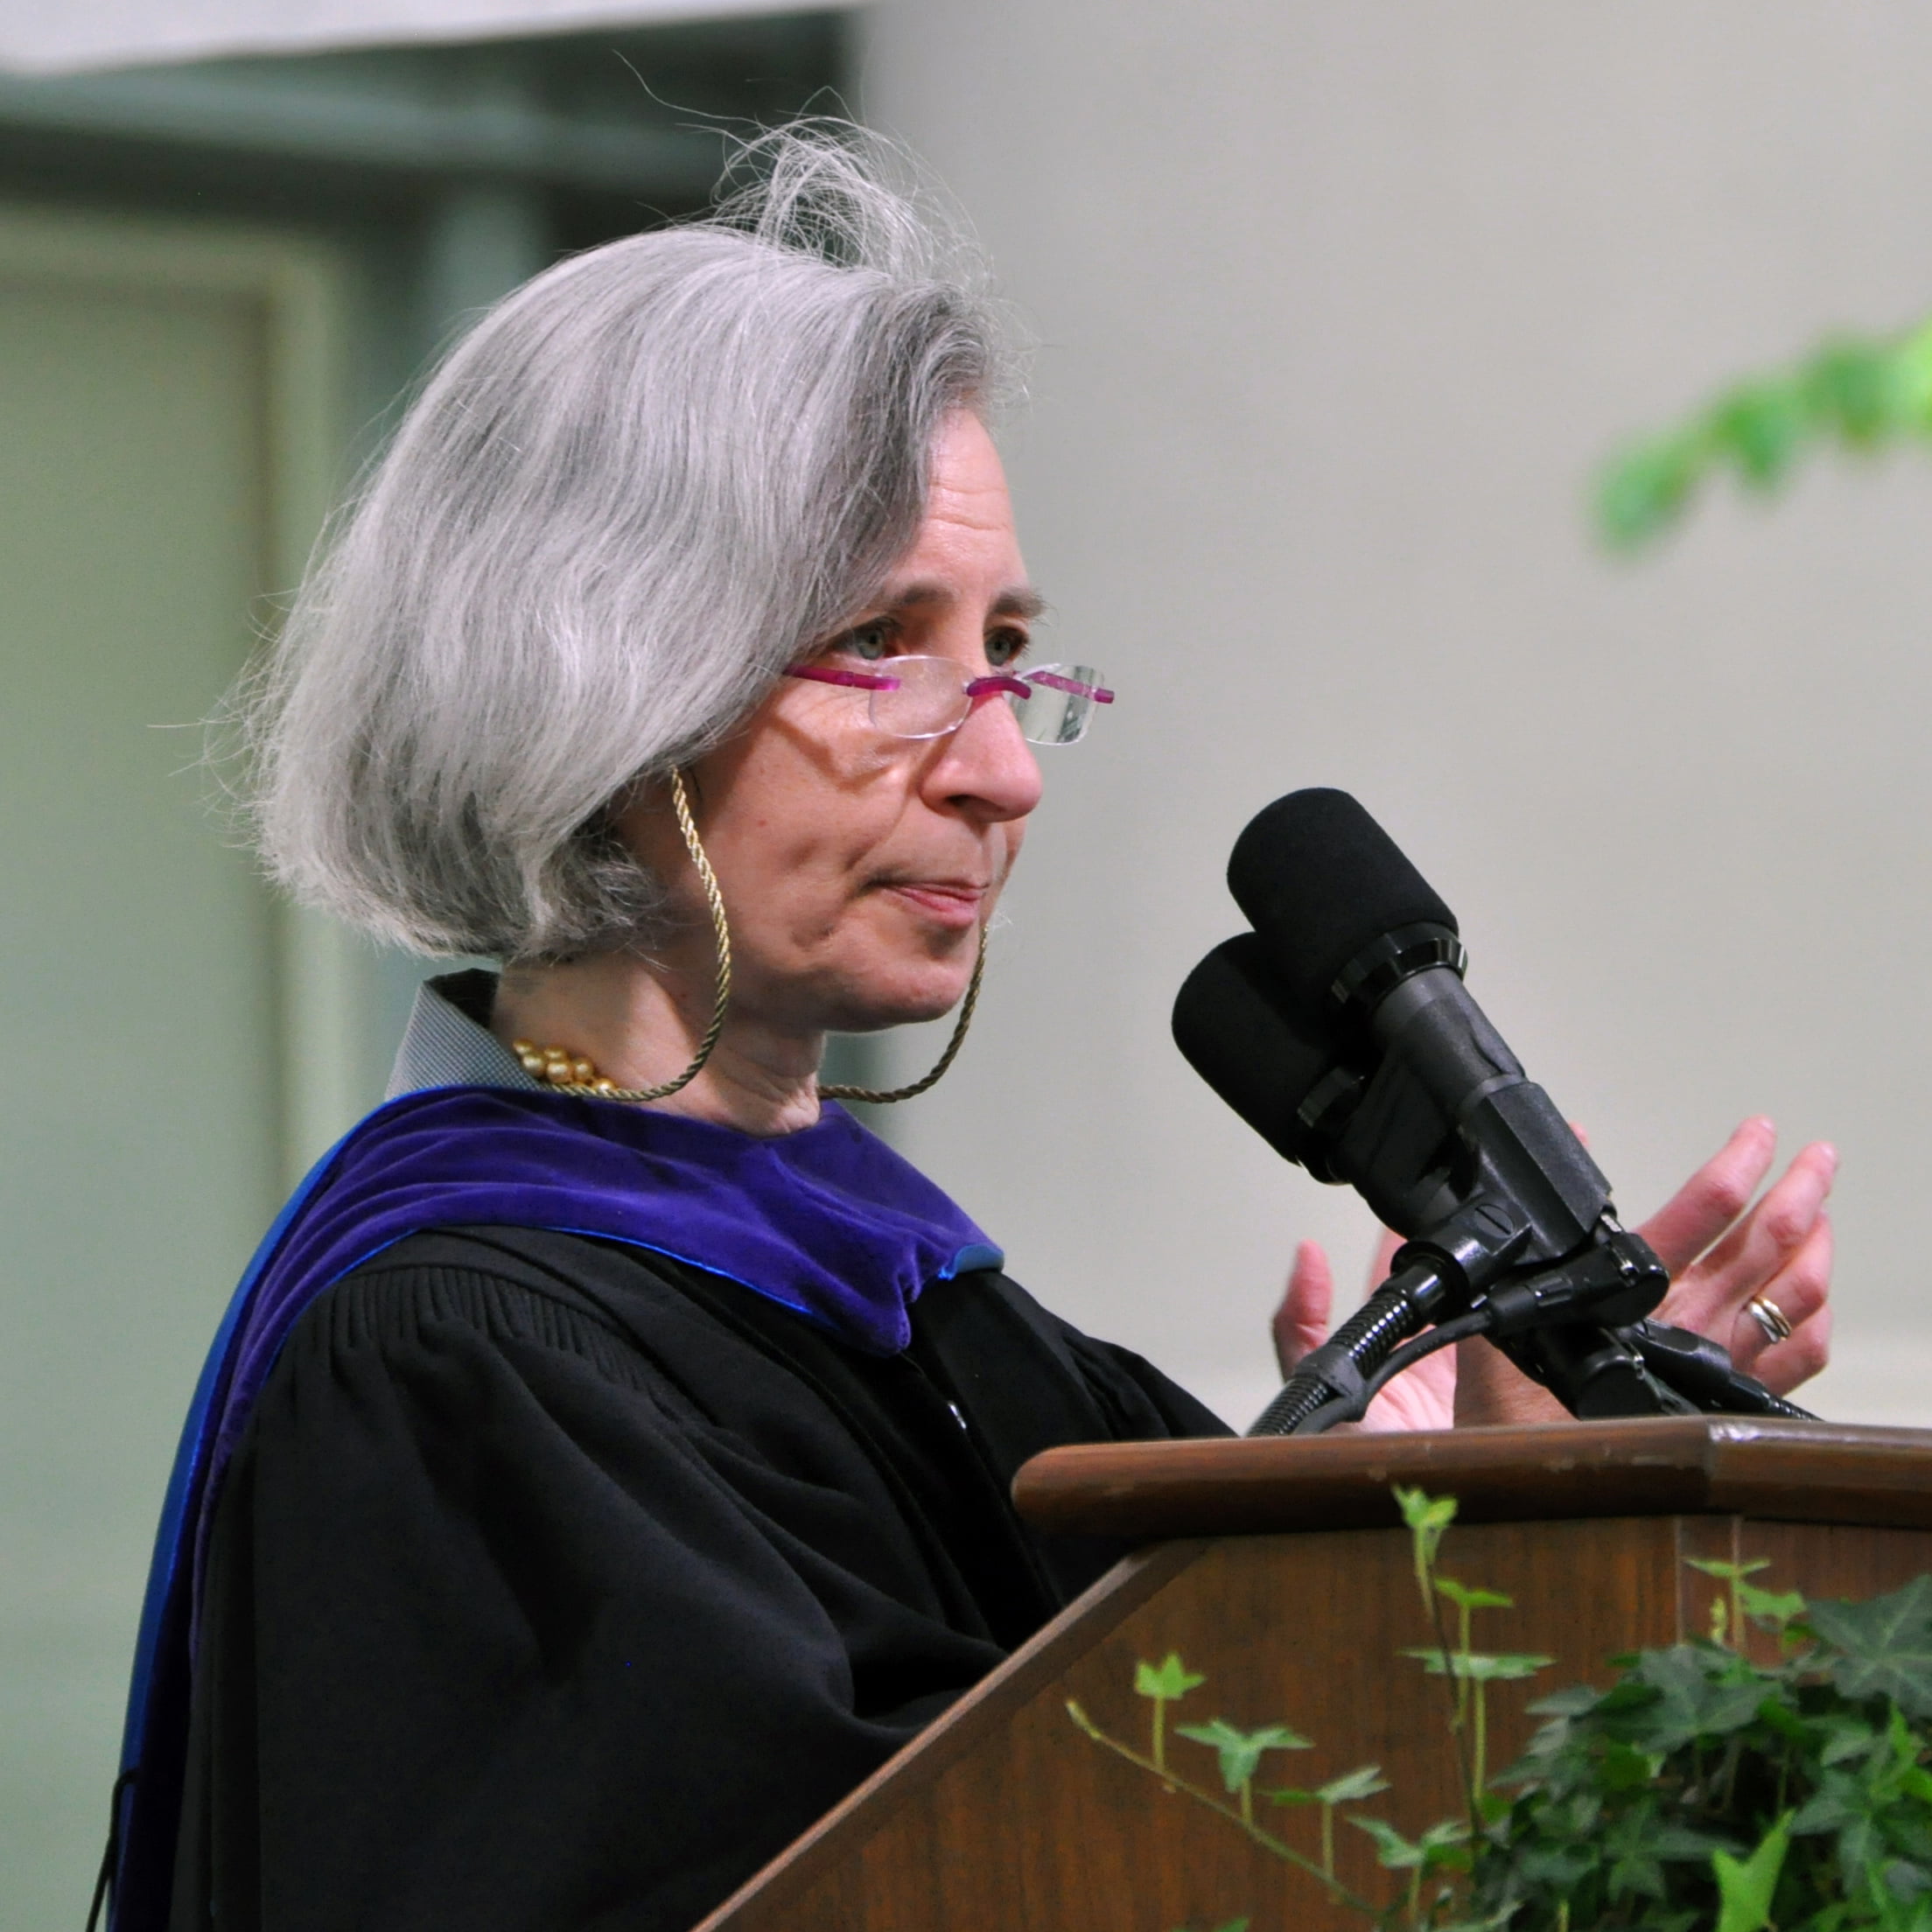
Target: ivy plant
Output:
[
  {"x": 1701, "y": 1791},
  {"x": 1858, "y": 393}
]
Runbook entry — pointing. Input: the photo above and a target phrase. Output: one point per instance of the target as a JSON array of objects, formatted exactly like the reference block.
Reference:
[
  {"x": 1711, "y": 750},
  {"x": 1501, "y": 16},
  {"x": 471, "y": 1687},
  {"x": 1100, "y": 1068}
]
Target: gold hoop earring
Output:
[
  {"x": 885, "y": 1099},
  {"x": 579, "y": 1077}
]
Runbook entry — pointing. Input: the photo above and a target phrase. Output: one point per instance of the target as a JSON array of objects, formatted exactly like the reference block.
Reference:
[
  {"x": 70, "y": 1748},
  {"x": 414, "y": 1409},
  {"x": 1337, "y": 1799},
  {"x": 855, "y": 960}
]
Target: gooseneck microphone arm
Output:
[
  {"x": 1639, "y": 1368},
  {"x": 1341, "y": 1370}
]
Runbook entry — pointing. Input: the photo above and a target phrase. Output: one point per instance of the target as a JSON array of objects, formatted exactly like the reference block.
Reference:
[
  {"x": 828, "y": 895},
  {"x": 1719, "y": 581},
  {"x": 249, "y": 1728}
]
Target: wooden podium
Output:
[{"x": 1278, "y": 1571}]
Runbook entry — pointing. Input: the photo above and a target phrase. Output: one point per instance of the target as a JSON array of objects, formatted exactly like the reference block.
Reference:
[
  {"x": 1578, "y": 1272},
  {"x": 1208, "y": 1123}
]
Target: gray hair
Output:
[{"x": 628, "y": 501}]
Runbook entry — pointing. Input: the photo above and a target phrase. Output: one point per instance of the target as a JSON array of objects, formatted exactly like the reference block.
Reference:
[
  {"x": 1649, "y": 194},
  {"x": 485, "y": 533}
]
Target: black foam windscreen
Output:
[
  {"x": 1319, "y": 880},
  {"x": 1229, "y": 1023}
]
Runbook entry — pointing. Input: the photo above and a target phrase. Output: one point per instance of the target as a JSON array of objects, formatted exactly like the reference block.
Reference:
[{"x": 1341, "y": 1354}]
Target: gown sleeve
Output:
[{"x": 495, "y": 1610}]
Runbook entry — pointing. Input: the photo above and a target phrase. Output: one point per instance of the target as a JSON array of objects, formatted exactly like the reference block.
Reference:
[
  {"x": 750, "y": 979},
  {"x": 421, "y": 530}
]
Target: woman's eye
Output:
[
  {"x": 1004, "y": 648},
  {"x": 869, "y": 641}
]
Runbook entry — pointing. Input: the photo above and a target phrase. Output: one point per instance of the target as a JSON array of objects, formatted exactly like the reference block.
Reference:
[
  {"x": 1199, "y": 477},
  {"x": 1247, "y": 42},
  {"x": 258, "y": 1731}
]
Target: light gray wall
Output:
[{"x": 1340, "y": 302}]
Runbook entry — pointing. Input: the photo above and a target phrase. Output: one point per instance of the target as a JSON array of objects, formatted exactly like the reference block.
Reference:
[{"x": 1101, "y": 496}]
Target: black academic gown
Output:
[{"x": 558, "y": 1587}]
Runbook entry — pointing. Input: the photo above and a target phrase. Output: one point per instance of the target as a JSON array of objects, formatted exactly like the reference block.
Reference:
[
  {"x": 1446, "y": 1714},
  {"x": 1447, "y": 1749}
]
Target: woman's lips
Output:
[{"x": 947, "y": 902}]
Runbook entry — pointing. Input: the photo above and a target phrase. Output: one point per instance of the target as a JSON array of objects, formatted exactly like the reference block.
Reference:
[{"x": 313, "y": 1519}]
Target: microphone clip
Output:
[{"x": 1617, "y": 1280}]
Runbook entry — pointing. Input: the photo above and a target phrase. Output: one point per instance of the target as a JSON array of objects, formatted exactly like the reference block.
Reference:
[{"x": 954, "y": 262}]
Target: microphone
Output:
[
  {"x": 1234, "y": 1024},
  {"x": 1340, "y": 1028},
  {"x": 1322, "y": 883},
  {"x": 1234, "y": 1027},
  {"x": 1367, "y": 957}
]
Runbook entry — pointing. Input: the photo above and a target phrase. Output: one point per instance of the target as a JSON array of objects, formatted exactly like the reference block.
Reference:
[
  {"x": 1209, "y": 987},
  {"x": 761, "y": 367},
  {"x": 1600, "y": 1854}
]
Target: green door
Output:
[{"x": 154, "y": 388}]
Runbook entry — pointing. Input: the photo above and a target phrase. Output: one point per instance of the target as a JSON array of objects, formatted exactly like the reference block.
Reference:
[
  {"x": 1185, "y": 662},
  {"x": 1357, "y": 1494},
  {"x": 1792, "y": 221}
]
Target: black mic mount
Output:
[{"x": 1408, "y": 1092}]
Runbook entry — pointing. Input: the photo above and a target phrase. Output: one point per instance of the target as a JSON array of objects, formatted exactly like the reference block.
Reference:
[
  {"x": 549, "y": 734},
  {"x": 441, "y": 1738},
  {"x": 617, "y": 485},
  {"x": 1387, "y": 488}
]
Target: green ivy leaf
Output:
[
  {"x": 1478, "y": 1668},
  {"x": 1353, "y": 1787},
  {"x": 1676, "y": 1844},
  {"x": 1426, "y": 1515},
  {"x": 1241, "y": 1751},
  {"x": 1170, "y": 1680},
  {"x": 1744, "y": 1885},
  {"x": 1854, "y": 386},
  {"x": 1845, "y": 1736},
  {"x": 1393, "y": 1852},
  {"x": 1885, "y": 1645},
  {"x": 1642, "y": 491},
  {"x": 1624, "y": 1767},
  {"x": 1778, "y": 1607},
  {"x": 1701, "y": 1693},
  {"x": 1442, "y": 1847},
  {"x": 1502, "y": 1668},
  {"x": 1760, "y": 426},
  {"x": 1728, "y": 1573},
  {"x": 1468, "y": 1597},
  {"x": 1861, "y": 394},
  {"x": 1904, "y": 1879},
  {"x": 1576, "y": 1701}
]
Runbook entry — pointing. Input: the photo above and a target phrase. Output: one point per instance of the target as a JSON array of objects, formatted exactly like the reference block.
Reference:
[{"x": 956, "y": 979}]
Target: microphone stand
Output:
[{"x": 1618, "y": 1363}]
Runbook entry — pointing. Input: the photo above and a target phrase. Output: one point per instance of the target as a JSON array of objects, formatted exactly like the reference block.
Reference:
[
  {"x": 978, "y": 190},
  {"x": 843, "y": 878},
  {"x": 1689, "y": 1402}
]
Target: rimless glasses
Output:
[{"x": 928, "y": 698}]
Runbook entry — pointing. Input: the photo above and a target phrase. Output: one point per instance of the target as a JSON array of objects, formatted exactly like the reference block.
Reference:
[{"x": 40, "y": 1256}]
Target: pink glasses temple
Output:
[
  {"x": 871, "y": 681},
  {"x": 1054, "y": 681},
  {"x": 863, "y": 681}
]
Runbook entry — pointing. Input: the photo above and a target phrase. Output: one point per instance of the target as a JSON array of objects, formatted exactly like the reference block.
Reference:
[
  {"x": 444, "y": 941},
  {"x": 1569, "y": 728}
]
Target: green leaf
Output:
[
  {"x": 1774, "y": 1609},
  {"x": 1442, "y": 1846},
  {"x": 1846, "y": 1736},
  {"x": 1624, "y": 1767},
  {"x": 1466, "y": 1597},
  {"x": 1352, "y": 1787},
  {"x": 1575, "y": 1700},
  {"x": 1169, "y": 1680},
  {"x": 1771, "y": 1606},
  {"x": 1642, "y": 491},
  {"x": 1855, "y": 387},
  {"x": 1500, "y": 1667},
  {"x": 1478, "y": 1668},
  {"x": 1861, "y": 394},
  {"x": 1730, "y": 1572},
  {"x": 1885, "y": 1645},
  {"x": 1702, "y": 1693},
  {"x": 1424, "y": 1514},
  {"x": 1446, "y": 1845},
  {"x": 1680, "y": 1843},
  {"x": 1744, "y": 1885},
  {"x": 1903, "y": 1880},
  {"x": 1393, "y": 1852},
  {"x": 1760, "y": 426},
  {"x": 1241, "y": 1751}
]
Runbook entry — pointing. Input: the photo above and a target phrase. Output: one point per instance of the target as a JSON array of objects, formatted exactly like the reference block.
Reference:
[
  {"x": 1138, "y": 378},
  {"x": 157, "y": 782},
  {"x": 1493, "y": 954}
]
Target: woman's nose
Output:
[{"x": 986, "y": 768}]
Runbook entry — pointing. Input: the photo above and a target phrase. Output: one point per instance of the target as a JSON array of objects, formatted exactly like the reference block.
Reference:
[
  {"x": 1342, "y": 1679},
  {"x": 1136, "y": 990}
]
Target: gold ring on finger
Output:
[{"x": 1770, "y": 1318}]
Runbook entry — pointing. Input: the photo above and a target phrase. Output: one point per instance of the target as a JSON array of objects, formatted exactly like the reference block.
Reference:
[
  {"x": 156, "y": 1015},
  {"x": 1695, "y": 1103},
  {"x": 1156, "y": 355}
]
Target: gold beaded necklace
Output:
[{"x": 572, "y": 1072}]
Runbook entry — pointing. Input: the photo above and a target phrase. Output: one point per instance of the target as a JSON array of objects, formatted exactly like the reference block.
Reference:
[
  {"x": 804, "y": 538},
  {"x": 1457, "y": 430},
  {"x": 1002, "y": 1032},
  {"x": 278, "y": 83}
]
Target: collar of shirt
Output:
[{"x": 448, "y": 1042}]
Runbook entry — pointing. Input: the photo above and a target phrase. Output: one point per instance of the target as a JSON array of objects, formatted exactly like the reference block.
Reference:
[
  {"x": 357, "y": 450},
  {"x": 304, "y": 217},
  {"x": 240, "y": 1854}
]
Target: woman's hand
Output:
[
  {"x": 1780, "y": 1252},
  {"x": 1720, "y": 1258}
]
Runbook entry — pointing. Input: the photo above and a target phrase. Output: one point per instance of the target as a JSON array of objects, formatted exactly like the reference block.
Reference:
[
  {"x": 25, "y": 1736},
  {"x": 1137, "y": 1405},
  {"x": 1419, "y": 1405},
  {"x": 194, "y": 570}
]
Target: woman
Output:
[{"x": 607, "y": 1466}]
